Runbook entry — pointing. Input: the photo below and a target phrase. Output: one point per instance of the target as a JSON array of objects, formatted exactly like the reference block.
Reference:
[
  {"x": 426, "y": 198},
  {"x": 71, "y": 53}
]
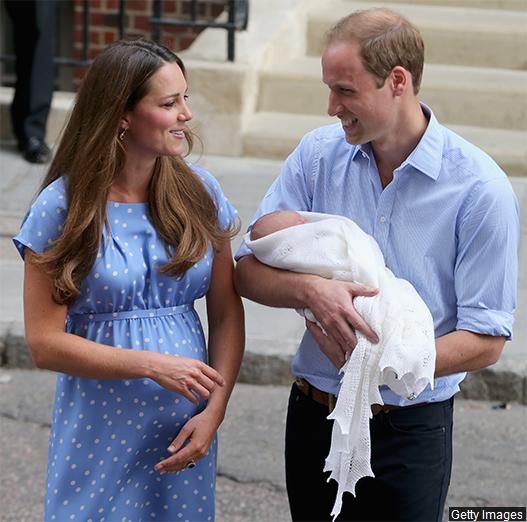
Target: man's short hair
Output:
[{"x": 386, "y": 39}]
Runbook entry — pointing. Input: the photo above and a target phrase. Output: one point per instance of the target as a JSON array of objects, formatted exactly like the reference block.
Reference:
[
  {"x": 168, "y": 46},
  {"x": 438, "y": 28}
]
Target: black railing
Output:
[
  {"x": 237, "y": 18},
  {"x": 238, "y": 15}
]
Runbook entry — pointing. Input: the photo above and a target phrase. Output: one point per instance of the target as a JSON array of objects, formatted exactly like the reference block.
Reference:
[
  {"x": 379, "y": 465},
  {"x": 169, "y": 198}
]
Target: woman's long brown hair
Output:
[{"x": 89, "y": 157}]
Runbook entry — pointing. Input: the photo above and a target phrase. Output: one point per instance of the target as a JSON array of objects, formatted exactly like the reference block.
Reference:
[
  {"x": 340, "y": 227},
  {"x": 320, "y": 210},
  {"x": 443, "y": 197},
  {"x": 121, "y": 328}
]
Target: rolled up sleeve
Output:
[{"x": 486, "y": 269}]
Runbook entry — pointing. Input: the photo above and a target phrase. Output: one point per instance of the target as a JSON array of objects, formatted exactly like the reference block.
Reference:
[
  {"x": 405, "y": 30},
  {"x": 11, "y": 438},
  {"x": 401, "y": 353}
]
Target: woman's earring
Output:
[{"x": 121, "y": 134}]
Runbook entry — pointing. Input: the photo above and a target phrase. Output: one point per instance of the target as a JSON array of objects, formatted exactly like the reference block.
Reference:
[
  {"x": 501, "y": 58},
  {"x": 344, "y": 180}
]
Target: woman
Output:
[{"x": 123, "y": 237}]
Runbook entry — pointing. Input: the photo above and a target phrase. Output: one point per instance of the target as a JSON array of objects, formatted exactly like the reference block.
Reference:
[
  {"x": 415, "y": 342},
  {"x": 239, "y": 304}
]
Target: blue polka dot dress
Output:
[{"x": 106, "y": 436}]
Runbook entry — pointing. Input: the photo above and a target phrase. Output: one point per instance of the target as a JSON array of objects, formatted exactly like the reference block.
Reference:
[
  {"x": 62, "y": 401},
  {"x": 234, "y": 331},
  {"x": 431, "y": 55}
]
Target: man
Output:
[
  {"x": 34, "y": 40},
  {"x": 445, "y": 218}
]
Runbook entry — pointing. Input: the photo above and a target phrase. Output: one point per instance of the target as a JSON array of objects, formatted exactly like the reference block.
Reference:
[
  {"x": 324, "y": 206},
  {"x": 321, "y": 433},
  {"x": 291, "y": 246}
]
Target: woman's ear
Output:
[{"x": 124, "y": 123}]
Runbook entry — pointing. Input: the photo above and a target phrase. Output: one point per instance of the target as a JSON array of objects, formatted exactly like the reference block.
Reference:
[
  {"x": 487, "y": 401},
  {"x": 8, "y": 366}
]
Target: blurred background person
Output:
[{"x": 33, "y": 24}]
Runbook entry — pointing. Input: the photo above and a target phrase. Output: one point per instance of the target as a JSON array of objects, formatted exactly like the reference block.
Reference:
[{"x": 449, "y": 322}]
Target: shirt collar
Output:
[
  {"x": 364, "y": 150},
  {"x": 427, "y": 156}
]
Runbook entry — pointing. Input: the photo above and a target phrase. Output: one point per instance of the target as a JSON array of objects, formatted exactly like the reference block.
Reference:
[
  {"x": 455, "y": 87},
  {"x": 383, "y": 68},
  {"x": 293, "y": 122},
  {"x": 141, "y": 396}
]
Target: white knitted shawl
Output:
[{"x": 404, "y": 359}]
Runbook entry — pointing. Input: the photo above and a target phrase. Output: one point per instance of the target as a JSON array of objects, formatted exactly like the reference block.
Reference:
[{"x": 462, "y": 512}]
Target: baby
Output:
[
  {"x": 404, "y": 359},
  {"x": 336, "y": 247},
  {"x": 273, "y": 222}
]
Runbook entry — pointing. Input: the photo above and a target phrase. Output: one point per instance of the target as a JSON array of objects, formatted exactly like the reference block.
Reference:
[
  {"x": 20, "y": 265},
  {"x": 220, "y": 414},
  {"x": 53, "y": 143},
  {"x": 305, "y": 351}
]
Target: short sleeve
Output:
[
  {"x": 44, "y": 221},
  {"x": 227, "y": 214}
]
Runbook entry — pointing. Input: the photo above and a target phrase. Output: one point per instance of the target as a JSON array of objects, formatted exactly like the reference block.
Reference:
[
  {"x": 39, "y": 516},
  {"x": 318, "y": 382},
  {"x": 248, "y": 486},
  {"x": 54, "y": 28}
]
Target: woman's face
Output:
[{"x": 155, "y": 126}]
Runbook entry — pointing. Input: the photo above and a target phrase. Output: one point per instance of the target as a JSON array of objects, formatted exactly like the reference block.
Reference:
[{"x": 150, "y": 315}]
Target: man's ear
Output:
[{"x": 400, "y": 80}]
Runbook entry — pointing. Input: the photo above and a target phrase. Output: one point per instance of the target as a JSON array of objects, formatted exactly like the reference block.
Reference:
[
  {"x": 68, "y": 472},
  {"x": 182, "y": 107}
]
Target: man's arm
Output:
[
  {"x": 485, "y": 279},
  {"x": 330, "y": 301},
  {"x": 271, "y": 286},
  {"x": 464, "y": 351}
]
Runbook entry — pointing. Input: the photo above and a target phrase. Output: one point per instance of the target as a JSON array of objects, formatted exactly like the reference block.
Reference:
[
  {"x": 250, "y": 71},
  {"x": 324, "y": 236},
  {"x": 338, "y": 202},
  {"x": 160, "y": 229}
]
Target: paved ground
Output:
[{"x": 490, "y": 459}]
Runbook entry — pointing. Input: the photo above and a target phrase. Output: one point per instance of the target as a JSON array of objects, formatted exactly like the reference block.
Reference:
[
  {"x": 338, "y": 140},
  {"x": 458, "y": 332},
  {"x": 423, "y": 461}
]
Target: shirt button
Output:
[{"x": 383, "y": 219}]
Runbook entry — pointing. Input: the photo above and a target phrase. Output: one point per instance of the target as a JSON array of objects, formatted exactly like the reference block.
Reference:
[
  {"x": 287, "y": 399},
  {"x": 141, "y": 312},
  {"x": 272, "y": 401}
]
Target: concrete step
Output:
[
  {"x": 509, "y": 5},
  {"x": 452, "y": 35},
  {"x": 459, "y": 95},
  {"x": 275, "y": 135}
]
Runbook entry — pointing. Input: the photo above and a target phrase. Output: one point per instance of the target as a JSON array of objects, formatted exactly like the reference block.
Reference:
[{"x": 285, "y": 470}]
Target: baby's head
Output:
[{"x": 275, "y": 221}]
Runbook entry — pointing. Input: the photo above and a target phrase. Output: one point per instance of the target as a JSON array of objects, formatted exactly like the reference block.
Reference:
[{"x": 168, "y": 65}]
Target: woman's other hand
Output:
[
  {"x": 189, "y": 377},
  {"x": 192, "y": 442}
]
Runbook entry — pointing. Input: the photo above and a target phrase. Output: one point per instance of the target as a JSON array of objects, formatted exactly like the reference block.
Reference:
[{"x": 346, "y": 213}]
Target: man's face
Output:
[{"x": 365, "y": 110}]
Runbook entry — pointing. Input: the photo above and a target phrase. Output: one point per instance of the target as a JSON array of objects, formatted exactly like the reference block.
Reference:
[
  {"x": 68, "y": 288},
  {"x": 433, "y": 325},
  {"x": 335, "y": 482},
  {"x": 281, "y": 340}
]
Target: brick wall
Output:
[{"x": 104, "y": 26}]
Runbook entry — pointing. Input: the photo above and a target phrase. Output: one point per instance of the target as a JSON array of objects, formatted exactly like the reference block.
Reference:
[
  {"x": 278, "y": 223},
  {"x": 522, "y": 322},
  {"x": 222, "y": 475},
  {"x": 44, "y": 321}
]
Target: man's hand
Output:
[{"x": 331, "y": 302}]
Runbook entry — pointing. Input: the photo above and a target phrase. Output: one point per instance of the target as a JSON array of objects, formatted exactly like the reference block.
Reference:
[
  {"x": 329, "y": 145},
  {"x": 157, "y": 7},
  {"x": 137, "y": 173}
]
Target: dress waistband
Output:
[{"x": 132, "y": 314}]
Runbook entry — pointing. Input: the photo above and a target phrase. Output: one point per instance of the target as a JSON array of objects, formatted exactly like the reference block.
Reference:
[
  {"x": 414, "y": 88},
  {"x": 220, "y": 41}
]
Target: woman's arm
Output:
[
  {"x": 226, "y": 345},
  {"x": 226, "y": 328},
  {"x": 54, "y": 349}
]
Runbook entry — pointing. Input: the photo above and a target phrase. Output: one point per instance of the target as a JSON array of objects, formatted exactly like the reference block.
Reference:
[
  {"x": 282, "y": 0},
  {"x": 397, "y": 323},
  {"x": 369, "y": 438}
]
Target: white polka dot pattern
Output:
[{"x": 107, "y": 436}]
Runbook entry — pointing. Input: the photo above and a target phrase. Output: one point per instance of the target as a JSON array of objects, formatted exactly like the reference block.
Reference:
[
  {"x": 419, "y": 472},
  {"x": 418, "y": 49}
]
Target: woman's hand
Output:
[
  {"x": 198, "y": 432},
  {"x": 189, "y": 377}
]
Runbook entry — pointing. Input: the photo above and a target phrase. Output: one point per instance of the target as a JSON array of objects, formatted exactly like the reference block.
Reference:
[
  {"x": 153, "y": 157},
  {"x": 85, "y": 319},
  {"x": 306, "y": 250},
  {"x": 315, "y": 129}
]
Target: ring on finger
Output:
[{"x": 190, "y": 464}]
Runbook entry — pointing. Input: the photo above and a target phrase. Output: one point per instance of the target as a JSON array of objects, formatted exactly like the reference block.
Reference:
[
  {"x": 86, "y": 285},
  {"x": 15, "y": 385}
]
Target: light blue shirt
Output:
[{"x": 448, "y": 223}]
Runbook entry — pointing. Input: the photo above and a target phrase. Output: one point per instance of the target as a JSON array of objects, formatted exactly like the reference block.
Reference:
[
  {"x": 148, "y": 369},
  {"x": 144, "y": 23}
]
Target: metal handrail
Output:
[{"x": 238, "y": 15}]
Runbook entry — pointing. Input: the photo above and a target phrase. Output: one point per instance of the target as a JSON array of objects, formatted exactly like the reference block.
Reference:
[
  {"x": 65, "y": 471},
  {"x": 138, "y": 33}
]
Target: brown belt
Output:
[
  {"x": 325, "y": 398},
  {"x": 329, "y": 400}
]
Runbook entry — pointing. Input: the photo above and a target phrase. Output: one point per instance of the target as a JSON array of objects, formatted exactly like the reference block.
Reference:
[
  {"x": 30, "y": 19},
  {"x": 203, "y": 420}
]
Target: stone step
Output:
[
  {"x": 459, "y": 95},
  {"x": 452, "y": 35},
  {"x": 275, "y": 135},
  {"x": 509, "y": 5}
]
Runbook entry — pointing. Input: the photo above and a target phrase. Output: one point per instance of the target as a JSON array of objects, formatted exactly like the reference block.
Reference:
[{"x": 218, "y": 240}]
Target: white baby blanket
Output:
[{"x": 404, "y": 359}]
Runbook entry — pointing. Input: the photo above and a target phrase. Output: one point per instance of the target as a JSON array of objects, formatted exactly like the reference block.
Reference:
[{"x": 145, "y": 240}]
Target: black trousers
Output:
[
  {"x": 34, "y": 40},
  {"x": 411, "y": 459}
]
